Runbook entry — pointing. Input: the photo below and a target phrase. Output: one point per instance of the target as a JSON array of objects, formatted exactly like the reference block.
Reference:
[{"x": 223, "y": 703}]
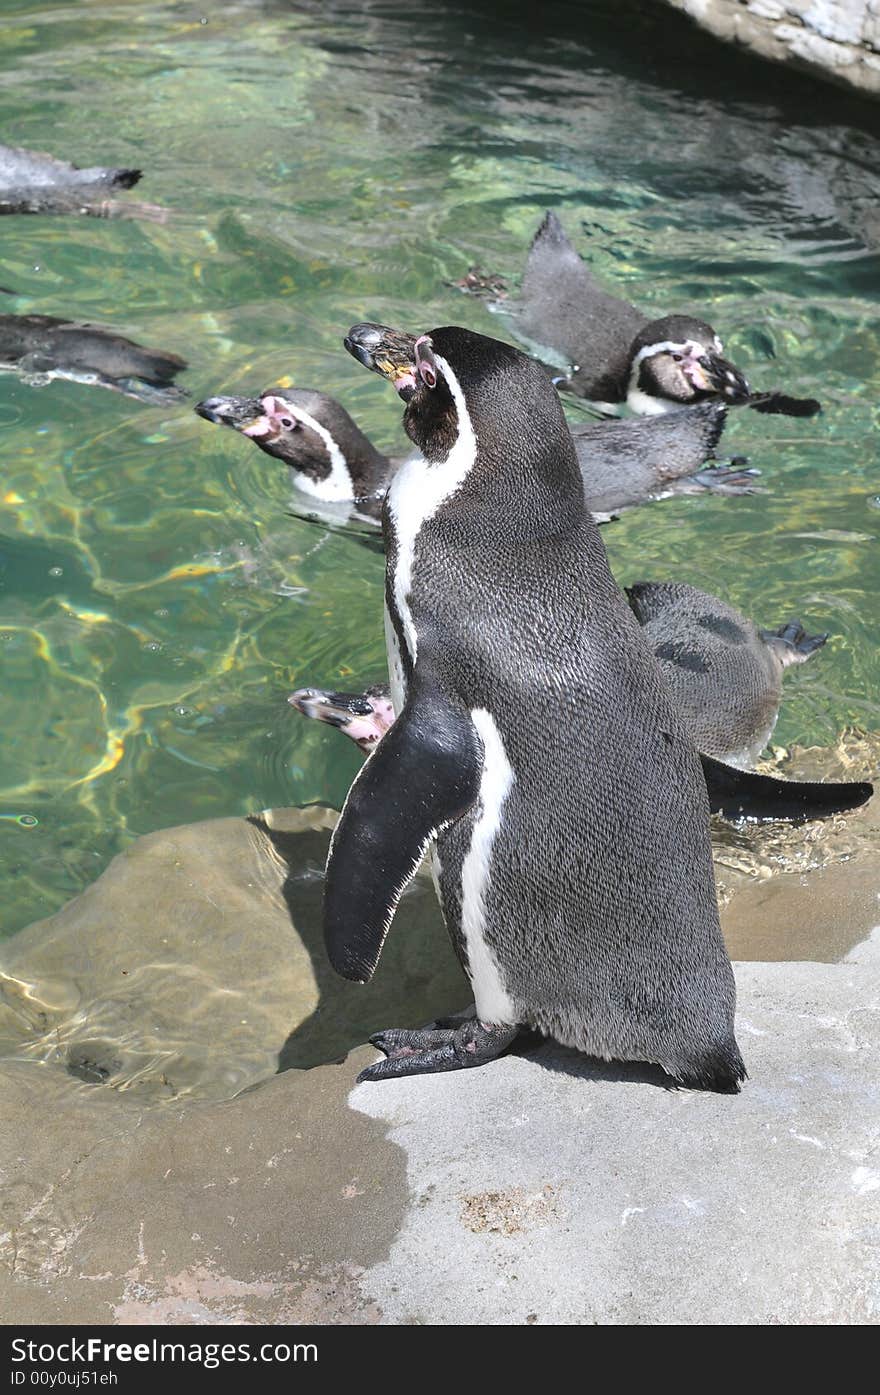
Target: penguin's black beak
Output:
[
  {"x": 389, "y": 352},
  {"x": 237, "y": 412},
  {"x": 711, "y": 373},
  {"x": 365, "y": 717}
]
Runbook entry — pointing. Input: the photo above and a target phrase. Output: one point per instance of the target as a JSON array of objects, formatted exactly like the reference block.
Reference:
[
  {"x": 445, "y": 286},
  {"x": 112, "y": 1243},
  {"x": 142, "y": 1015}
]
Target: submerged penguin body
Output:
[
  {"x": 42, "y": 347},
  {"x": 724, "y": 673},
  {"x": 34, "y": 182}
]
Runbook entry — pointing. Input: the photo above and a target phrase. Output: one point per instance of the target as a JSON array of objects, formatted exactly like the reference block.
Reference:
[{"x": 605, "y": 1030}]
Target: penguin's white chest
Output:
[
  {"x": 493, "y": 1001},
  {"x": 396, "y": 675}
]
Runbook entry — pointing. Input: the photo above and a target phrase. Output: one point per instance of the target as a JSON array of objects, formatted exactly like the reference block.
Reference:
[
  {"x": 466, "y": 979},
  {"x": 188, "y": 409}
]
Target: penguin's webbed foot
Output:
[
  {"x": 427, "y": 1049},
  {"x": 734, "y": 478},
  {"x": 480, "y": 283}
]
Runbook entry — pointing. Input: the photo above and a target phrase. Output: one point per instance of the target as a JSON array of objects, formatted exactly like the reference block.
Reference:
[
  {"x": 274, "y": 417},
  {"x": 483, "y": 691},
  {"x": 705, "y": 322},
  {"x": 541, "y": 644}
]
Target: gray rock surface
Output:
[
  {"x": 550, "y": 1189},
  {"x": 836, "y": 39},
  {"x": 542, "y": 1188},
  {"x": 155, "y": 1169}
]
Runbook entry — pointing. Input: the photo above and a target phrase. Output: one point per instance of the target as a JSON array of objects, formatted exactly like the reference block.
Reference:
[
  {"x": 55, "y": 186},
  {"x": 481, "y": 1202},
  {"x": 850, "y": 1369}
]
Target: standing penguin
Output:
[{"x": 574, "y": 873}]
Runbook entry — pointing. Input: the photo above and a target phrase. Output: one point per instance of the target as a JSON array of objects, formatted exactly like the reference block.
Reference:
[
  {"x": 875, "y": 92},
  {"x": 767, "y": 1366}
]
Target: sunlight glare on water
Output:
[{"x": 322, "y": 164}]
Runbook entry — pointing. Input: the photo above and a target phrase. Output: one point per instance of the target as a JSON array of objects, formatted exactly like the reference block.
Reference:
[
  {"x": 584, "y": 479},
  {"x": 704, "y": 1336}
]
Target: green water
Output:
[{"x": 323, "y": 164}]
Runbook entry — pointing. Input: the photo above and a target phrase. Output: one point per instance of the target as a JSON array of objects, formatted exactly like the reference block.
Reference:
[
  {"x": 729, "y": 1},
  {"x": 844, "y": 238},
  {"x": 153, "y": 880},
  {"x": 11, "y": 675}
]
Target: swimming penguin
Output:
[
  {"x": 41, "y": 347},
  {"x": 329, "y": 456},
  {"x": 724, "y": 673},
  {"x": 34, "y": 182},
  {"x": 502, "y": 618},
  {"x": 623, "y": 463},
  {"x": 616, "y": 354}
]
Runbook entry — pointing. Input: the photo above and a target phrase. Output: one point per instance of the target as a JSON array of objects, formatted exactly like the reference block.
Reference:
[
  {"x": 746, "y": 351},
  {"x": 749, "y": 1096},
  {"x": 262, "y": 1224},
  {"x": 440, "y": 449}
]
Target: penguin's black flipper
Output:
[
  {"x": 778, "y": 404},
  {"x": 738, "y": 794},
  {"x": 423, "y": 775}
]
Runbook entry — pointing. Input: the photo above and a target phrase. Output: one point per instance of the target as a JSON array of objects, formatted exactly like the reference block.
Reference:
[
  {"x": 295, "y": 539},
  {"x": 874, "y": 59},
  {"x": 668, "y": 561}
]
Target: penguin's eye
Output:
[
  {"x": 427, "y": 374},
  {"x": 677, "y": 358},
  {"x": 286, "y": 421}
]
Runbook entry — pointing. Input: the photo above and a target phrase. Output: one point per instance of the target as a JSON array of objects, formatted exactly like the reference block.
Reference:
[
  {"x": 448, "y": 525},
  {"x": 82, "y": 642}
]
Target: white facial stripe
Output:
[
  {"x": 492, "y": 999},
  {"x": 338, "y": 487},
  {"x": 417, "y": 491},
  {"x": 666, "y": 346}
]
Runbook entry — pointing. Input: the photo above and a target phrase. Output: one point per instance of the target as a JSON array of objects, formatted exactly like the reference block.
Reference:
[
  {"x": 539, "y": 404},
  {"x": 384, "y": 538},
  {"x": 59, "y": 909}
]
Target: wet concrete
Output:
[{"x": 265, "y": 1208}]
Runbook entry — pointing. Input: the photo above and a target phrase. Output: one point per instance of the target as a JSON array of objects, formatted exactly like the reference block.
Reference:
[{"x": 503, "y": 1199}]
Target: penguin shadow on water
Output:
[{"x": 418, "y": 979}]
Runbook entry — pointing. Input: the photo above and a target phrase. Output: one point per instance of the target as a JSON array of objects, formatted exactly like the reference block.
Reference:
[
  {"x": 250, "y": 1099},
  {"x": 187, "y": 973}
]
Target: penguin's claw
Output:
[{"x": 428, "y": 1049}]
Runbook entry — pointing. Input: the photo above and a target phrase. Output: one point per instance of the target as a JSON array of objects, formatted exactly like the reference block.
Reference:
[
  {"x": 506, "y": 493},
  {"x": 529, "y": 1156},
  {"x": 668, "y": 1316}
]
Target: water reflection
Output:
[{"x": 328, "y": 164}]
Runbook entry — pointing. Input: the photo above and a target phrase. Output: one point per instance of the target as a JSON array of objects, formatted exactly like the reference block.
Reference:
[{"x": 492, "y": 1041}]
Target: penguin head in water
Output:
[
  {"x": 677, "y": 361},
  {"x": 468, "y": 392},
  {"x": 307, "y": 430}
]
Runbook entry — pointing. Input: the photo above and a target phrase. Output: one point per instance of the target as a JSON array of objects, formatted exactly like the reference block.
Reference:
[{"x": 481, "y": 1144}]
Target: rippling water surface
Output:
[{"x": 322, "y": 164}]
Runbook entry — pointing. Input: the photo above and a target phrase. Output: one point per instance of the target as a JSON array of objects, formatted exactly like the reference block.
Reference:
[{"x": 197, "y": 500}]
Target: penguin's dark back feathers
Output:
[
  {"x": 726, "y": 681},
  {"x": 626, "y": 461},
  {"x": 562, "y": 307}
]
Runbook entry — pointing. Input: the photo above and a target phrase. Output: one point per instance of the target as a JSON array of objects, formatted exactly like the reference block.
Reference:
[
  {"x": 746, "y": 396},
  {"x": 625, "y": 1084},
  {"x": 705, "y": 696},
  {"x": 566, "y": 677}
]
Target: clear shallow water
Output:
[{"x": 326, "y": 164}]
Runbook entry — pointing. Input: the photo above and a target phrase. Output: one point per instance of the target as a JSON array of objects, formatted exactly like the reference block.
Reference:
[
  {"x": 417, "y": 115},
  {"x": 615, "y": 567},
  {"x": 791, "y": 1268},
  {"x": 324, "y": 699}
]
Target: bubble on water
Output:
[
  {"x": 152, "y": 646},
  {"x": 56, "y": 571},
  {"x": 163, "y": 612}
]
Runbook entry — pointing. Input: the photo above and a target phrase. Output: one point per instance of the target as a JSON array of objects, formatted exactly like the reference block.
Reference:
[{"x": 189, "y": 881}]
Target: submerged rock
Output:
[{"x": 196, "y": 964}]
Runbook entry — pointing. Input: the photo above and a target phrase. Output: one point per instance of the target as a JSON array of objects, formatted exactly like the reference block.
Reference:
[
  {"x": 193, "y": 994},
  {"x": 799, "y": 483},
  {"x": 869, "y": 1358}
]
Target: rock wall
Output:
[{"x": 838, "y": 39}]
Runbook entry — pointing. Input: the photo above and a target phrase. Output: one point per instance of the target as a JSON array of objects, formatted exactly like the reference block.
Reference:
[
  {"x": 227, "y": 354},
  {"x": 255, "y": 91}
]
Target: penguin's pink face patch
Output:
[{"x": 278, "y": 417}]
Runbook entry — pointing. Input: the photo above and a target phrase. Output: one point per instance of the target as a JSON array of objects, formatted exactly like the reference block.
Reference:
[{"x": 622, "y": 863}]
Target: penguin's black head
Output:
[
  {"x": 676, "y": 361},
  {"x": 301, "y": 427},
  {"x": 454, "y": 381}
]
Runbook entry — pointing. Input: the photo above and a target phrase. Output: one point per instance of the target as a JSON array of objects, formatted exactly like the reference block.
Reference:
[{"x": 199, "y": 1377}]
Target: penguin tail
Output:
[
  {"x": 778, "y": 404},
  {"x": 742, "y": 794},
  {"x": 550, "y": 230},
  {"x": 722, "y": 1069},
  {"x": 792, "y": 643},
  {"x": 716, "y": 420}
]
